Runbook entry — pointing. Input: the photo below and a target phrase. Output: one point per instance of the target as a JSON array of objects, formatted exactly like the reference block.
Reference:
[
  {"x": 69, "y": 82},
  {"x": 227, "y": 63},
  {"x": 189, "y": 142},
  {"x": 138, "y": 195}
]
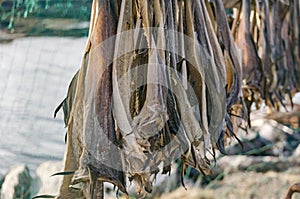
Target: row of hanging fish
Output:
[
  {"x": 267, "y": 32},
  {"x": 163, "y": 80}
]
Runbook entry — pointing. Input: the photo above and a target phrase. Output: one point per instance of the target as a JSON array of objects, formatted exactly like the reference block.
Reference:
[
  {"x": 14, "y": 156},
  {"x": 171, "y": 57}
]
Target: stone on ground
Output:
[
  {"x": 45, "y": 184},
  {"x": 17, "y": 183}
]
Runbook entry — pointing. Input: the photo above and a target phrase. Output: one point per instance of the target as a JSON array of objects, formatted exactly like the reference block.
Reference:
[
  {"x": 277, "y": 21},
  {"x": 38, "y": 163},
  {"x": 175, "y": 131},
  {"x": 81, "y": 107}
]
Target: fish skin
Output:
[
  {"x": 79, "y": 136},
  {"x": 251, "y": 61},
  {"x": 215, "y": 76},
  {"x": 232, "y": 55}
]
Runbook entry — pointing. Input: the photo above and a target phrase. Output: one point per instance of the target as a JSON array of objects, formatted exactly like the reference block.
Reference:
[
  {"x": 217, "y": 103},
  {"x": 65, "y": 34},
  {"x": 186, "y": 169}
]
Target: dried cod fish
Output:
[{"x": 163, "y": 80}]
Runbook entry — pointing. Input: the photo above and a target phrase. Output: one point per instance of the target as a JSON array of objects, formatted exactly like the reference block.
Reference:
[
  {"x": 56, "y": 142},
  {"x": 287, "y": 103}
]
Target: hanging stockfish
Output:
[
  {"x": 152, "y": 89},
  {"x": 295, "y": 36},
  {"x": 251, "y": 62},
  {"x": 268, "y": 40},
  {"x": 233, "y": 65},
  {"x": 162, "y": 80},
  {"x": 91, "y": 131},
  {"x": 264, "y": 47}
]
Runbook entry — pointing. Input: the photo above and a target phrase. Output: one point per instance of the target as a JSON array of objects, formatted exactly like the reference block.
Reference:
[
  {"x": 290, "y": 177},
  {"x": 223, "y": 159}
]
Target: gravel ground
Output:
[{"x": 243, "y": 185}]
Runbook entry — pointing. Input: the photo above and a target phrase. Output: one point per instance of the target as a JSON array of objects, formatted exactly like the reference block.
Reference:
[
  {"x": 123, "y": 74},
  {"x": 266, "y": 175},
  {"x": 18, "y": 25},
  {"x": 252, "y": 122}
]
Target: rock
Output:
[
  {"x": 296, "y": 98},
  {"x": 297, "y": 151},
  {"x": 17, "y": 183},
  {"x": 44, "y": 183},
  {"x": 1, "y": 182},
  {"x": 270, "y": 131},
  {"x": 285, "y": 140}
]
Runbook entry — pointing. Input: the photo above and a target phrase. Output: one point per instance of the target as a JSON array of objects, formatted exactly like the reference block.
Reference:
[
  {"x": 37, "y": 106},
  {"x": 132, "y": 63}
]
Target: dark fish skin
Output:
[
  {"x": 203, "y": 93},
  {"x": 105, "y": 27},
  {"x": 235, "y": 70},
  {"x": 252, "y": 71},
  {"x": 106, "y": 122}
]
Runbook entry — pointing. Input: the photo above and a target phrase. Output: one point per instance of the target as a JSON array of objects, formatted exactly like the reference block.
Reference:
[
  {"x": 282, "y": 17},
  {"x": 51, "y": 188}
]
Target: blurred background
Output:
[{"x": 41, "y": 45}]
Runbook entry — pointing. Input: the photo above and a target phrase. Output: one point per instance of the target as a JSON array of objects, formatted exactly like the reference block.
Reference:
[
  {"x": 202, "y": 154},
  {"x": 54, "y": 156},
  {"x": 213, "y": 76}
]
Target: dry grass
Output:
[{"x": 245, "y": 185}]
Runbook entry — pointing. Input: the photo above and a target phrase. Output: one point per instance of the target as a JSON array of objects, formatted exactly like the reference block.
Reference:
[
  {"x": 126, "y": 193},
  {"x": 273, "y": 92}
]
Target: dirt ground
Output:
[
  {"x": 243, "y": 185},
  {"x": 236, "y": 185}
]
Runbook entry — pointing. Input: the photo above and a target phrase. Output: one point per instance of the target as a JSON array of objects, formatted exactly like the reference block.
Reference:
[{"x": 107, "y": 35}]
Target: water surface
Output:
[{"x": 34, "y": 76}]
